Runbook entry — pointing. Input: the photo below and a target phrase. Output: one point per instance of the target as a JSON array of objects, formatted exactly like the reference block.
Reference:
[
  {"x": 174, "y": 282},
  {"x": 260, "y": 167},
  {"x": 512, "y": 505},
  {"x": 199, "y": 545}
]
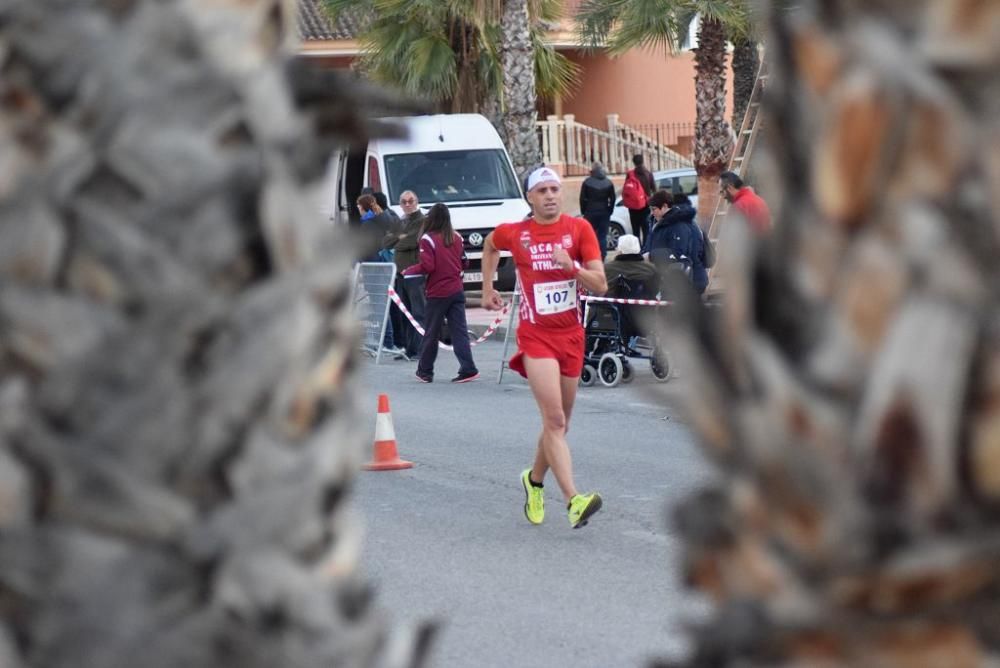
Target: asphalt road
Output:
[{"x": 447, "y": 540}]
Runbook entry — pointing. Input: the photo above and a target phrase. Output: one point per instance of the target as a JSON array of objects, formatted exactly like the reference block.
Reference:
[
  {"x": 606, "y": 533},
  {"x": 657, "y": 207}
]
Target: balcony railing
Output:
[{"x": 576, "y": 147}]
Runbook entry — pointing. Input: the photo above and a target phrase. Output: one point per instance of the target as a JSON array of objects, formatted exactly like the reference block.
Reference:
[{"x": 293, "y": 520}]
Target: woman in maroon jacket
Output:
[{"x": 442, "y": 261}]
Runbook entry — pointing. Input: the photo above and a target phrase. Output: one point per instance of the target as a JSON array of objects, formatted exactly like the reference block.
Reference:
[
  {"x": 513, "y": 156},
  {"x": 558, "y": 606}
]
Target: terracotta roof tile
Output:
[{"x": 315, "y": 24}]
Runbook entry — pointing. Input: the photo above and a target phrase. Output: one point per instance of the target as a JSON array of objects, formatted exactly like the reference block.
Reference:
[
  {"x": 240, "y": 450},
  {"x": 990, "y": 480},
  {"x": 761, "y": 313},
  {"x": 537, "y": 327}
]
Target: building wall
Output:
[{"x": 641, "y": 86}]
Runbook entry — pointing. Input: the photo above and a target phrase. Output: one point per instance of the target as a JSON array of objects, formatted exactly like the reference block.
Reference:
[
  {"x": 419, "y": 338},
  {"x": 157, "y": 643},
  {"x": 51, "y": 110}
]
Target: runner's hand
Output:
[
  {"x": 562, "y": 258},
  {"x": 492, "y": 301}
]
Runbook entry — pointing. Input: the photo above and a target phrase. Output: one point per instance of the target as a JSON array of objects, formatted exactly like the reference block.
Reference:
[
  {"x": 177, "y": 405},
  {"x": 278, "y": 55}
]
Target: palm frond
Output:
[
  {"x": 430, "y": 68},
  {"x": 685, "y": 18},
  {"x": 555, "y": 74},
  {"x": 546, "y": 10},
  {"x": 647, "y": 24},
  {"x": 620, "y": 25},
  {"x": 596, "y": 21}
]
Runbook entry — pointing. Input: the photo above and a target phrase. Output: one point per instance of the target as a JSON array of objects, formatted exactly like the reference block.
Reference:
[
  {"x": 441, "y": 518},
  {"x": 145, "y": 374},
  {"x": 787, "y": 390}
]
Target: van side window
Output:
[{"x": 374, "y": 181}]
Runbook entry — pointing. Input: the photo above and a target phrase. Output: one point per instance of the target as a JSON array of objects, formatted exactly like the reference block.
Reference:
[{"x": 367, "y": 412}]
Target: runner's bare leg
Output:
[
  {"x": 541, "y": 466},
  {"x": 547, "y": 386}
]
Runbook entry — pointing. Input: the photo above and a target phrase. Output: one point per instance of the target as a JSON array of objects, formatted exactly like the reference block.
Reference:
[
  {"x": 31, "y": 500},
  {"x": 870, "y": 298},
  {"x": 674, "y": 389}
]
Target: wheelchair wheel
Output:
[
  {"x": 661, "y": 364},
  {"x": 628, "y": 372},
  {"x": 609, "y": 369},
  {"x": 588, "y": 376}
]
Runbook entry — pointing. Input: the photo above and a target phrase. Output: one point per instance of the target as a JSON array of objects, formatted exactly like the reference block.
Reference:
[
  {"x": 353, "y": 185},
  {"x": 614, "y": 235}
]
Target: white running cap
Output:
[{"x": 540, "y": 175}]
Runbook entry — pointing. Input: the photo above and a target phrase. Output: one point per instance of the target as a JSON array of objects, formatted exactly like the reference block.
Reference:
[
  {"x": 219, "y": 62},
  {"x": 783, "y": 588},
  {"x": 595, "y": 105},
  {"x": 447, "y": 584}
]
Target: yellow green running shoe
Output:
[
  {"x": 534, "y": 500},
  {"x": 581, "y": 507}
]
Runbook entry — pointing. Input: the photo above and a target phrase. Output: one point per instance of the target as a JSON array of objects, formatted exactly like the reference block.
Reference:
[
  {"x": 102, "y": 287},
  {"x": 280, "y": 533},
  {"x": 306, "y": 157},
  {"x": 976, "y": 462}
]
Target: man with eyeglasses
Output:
[{"x": 410, "y": 288}]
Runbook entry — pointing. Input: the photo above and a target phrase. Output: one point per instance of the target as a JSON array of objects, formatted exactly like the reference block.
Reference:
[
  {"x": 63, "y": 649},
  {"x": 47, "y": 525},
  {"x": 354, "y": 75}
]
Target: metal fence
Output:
[
  {"x": 678, "y": 136},
  {"x": 371, "y": 303}
]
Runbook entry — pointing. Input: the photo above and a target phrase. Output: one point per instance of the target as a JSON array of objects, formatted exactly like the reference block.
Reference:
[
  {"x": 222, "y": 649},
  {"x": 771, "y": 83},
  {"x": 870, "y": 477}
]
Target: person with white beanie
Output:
[{"x": 630, "y": 265}]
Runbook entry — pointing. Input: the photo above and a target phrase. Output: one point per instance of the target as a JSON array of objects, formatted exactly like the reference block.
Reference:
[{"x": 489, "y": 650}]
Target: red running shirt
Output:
[{"x": 549, "y": 294}]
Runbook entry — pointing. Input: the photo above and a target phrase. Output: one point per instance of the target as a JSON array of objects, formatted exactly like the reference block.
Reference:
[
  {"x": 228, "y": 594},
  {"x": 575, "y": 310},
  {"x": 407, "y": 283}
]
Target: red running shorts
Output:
[{"x": 562, "y": 345}]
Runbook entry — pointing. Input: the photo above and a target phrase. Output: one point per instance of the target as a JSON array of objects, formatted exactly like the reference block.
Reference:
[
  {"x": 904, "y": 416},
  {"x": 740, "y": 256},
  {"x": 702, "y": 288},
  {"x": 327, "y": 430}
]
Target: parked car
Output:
[{"x": 674, "y": 180}]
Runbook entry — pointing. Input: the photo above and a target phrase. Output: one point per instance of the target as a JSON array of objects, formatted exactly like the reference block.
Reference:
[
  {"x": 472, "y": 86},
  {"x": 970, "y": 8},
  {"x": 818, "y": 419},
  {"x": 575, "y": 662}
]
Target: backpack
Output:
[{"x": 633, "y": 194}]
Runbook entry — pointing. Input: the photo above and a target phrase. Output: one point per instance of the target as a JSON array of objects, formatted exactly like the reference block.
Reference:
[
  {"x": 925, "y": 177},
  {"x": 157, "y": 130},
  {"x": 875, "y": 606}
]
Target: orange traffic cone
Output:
[{"x": 386, "y": 457}]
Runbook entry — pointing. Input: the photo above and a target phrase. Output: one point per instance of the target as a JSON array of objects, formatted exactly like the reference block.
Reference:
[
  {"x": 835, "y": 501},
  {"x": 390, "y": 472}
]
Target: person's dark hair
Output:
[
  {"x": 660, "y": 198},
  {"x": 439, "y": 220},
  {"x": 643, "y": 173},
  {"x": 731, "y": 179},
  {"x": 368, "y": 203},
  {"x": 382, "y": 200}
]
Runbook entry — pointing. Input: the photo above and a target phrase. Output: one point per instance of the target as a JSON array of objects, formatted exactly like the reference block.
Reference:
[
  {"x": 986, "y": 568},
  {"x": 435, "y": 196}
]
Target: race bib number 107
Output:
[{"x": 555, "y": 297}]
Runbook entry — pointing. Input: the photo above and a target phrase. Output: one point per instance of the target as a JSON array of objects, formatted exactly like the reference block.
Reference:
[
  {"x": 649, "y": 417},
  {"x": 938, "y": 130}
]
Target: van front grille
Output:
[{"x": 467, "y": 237}]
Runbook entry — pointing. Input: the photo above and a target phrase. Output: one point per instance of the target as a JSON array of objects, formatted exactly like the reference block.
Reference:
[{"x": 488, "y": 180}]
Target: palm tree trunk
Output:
[
  {"x": 848, "y": 386},
  {"x": 746, "y": 63},
  {"x": 519, "y": 95},
  {"x": 178, "y": 422},
  {"x": 713, "y": 141}
]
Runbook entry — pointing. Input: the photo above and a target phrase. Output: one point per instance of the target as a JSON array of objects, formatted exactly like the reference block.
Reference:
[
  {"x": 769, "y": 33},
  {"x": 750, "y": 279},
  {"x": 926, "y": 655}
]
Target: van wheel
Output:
[
  {"x": 588, "y": 376},
  {"x": 615, "y": 231}
]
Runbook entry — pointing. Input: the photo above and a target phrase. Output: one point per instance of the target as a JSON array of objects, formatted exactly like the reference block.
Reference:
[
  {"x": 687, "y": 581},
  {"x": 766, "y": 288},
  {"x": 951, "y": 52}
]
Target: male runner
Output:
[{"x": 555, "y": 255}]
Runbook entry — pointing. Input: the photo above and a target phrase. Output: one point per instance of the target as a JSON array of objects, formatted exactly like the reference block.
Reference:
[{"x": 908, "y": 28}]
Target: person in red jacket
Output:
[
  {"x": 442, "y": 261},
  {"x": 746, "y": 202},
  {"x": 555, "y": 256}
]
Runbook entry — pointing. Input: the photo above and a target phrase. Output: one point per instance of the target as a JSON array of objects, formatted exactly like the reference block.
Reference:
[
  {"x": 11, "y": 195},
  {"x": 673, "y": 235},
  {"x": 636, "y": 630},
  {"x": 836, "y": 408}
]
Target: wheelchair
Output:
[{"x": 613, "y": 339}]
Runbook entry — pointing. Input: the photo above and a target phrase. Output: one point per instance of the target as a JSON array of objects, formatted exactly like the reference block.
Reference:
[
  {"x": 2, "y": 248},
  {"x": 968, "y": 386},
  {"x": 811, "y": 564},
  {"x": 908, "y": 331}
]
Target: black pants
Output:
[
  {"x": 412, "y": 293},
  {"x": 600, "y": 223},
  {"x": 640, "y": 220},
  {"x": 452, "y": 308}
]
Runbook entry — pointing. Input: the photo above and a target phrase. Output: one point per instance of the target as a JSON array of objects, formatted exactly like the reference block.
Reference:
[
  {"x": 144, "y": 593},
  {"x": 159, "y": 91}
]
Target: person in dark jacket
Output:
[
  {"x": 639, "y": 217},
  {"x": 597, "y": 201},
  {"x": 383, "y": 202},
  {"x": 675, "y": 239},
  {"x": 380, "y": 231},
  {"x": 410, "y": 288},
  {"x": 400, "y": 324},
  {"x": 442, "y": 261},
  {"x": 699, "y": 268}
]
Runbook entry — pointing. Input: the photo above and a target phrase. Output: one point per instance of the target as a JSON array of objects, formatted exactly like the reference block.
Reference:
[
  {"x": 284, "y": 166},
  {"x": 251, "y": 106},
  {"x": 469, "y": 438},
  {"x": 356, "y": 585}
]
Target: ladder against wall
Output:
[{"x": 745, "y": 141}]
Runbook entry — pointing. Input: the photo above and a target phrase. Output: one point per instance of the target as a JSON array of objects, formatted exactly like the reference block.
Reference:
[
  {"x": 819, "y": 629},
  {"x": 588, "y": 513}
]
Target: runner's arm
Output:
[
  {"x": 591, "y": 276},
  {"x": 491, "y": 260}
]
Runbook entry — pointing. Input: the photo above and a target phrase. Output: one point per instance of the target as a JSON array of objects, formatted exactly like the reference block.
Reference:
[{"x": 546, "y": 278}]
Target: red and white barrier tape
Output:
[
  {"x": 416, "y": 325},
  {"x": 636, "y": 302}
]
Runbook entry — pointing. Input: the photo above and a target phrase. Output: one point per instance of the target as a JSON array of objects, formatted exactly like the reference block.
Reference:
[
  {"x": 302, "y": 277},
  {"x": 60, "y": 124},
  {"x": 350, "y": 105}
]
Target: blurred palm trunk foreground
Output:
[
  {"x": 849, "y": 388},
  {"x": 177, "y": 421}
]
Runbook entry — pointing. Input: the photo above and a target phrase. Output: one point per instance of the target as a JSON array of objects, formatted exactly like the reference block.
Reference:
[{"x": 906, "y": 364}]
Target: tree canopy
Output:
[{"x": 448, "y": 51}]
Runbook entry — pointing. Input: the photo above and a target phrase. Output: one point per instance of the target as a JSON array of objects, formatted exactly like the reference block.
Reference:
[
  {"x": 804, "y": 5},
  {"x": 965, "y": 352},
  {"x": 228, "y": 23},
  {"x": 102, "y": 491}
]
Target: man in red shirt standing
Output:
[
  {"x": 746, "y": 202},
  {"x": 555, "y": 255}
]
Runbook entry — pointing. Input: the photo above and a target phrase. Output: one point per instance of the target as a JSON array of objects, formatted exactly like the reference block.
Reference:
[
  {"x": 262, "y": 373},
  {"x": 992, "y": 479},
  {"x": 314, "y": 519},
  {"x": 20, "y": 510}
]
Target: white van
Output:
[{"x": 457, "y": 159}]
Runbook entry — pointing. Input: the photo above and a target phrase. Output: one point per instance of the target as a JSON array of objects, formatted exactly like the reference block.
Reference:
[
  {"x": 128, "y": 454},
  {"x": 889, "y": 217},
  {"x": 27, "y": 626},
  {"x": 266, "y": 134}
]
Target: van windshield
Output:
[{"x": 451, "y": 176}]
